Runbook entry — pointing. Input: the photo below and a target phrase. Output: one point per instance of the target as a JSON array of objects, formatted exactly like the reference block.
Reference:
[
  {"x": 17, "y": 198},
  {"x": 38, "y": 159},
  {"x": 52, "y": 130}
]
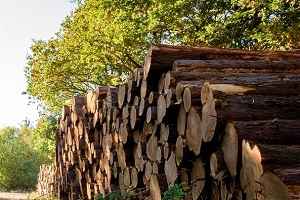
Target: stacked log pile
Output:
[
  {"x": 219, "y": 121},
  {"x": 47, "y": 183}
]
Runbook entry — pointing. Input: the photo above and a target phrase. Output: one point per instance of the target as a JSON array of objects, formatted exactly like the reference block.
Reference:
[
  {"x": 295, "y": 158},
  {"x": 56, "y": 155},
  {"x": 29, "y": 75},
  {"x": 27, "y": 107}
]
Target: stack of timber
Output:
[
  {"x": 224, "y": 122},
  {"x": 47, "y": 184}
]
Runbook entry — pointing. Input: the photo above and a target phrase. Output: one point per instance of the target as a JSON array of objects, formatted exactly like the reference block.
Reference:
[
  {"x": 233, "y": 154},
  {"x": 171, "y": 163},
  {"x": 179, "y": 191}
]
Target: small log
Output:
[
  {"x": 217, "y": 165},
  {"x": 209, "y": 120},
  {"x": 181, "y": 120},
  {"x": 134, "y": 177},
  {"x": 143, "y": 88},
  {"x": 121, "y": 95},
  {"x": 155, "y": 192},
  {"x": 197, "y": 178},
  {"x": 171, "y": 170},
  {"x": 273, "y": 188},
  {"x": 251, "y": 170},
  {"x": 151, "y": 148},
  {"x": 193, "y": 131},
  {"x": 161, "y": 108},
  {"x": 148, "y": 170},
  {"x": 230, "y": 148},
  {"x": 179, "y": 150}
]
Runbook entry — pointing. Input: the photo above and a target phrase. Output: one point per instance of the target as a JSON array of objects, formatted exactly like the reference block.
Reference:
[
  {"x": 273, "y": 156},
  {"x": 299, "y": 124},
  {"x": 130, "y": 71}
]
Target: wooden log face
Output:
[
  {"x": 251, "y": 170},
  {"x": 209, "y": 120},
  {"x": 171, "y": 169},
  {"x": 197, "y": 178},
  {"x": 181, "y": 120},
  {"x": 155, "y": 192},
  {"x": 193, "y": 132},
  {"x": 230, "y": 148},
  {"x": 273, "y": 188},
  {"x": 151, "y": 149}
]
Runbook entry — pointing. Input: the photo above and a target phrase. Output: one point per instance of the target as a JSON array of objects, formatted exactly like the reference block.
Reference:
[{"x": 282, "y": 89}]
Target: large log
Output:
[
  {"x": 160, "y": 58},
  {"x": 257, "y": 82},
  {"x": 237, "y": 66}
]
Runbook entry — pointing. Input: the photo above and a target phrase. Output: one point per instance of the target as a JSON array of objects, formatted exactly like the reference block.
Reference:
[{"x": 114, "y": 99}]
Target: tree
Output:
[
  {"x": 102, "y": 41},
  {"x": 22, "y": 151}
]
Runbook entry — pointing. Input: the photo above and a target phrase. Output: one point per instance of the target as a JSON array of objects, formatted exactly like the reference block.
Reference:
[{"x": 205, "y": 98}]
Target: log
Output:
[
  {"x": 193, "y": 131},
  {"x": 254, "y": 83},
  {"x": 160, "y": 58},
  {"x": 251, "y": 171},
  {"x": 197, "y": 178},
  {"x": 276, "y": 131},
  {"x": 237, "y": 66},
  {"x": 230, "y": 148},
  {"x": 171, "y": 170}
]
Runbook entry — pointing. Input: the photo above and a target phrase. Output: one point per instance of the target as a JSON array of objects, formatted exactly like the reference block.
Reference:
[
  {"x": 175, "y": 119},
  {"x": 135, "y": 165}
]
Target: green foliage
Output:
[
  {"x": 175, "y": 192},
  {"x": 22, "y": 151},
  {"x": 102, "y": 41},
  {"x": 128, "y": 193}
]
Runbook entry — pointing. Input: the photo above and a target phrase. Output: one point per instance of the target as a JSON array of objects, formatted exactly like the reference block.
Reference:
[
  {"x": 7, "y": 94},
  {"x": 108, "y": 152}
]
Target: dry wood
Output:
[
  {"x": 155, "y": 192},
  {"x": 148, "y": 170},
  {"x": 169, "y": 98},
  {"x": 209, "y": 120},
  {"x": 275, "y": 131},
  {"x": 151, "y": 148},
  {"x": 238, "y": 66},
  {"x": 151, "y": 114},
  {"x": 239, "y": 83},
  {"x": 143, "y": 88},
  {"x": 273, "y": 188},
  {"x": 127, "y": 180},
  {"x": 153, "y": 96},
  {"x": 121, "y": 95},
  {"x": 184, "y": 177},
  {"x": 143, "y": 104},
  {"x": 164, "y": 133},
  {"x": 193, "y": 131},
  {"x": 133, "y": 115},
  {"x": 161, "y": 83},
  {"x": 171, "y": 170},
  {"x": 251, "y": 170},
  {"x": 217, "y": 165},
  {"x": 179, "y": 150},
  {"x": 187, "y": 99},
  {"x": 134, "y": 177},
  {"x": 197, "y": 178},
  {"x": 121, "y": 156},
  {"x": 230, "y": 148},
  {"x": 161, "y": 108},
  {"x": 181, "y": 120},
  {"x": 160, "y": 58},
  {"x": 166, "y": 150}
]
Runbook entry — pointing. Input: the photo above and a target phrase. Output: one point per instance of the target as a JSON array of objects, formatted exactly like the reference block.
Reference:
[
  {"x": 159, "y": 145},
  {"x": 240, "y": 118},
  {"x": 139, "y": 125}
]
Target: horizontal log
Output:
[
  {"x": 160, "y": 58},
  {"x": 257, "y": 82},
  {"x": 256, "y": 107},
  {"x": 276, "y": 131},
  {"x": 239, "y": 66}
]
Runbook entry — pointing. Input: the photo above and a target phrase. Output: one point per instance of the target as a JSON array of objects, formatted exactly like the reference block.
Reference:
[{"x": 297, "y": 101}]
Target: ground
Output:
[{"x": 9, "y": 196}]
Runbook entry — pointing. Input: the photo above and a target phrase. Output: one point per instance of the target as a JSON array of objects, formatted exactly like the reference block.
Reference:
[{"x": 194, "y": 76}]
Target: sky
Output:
[{"x": 21, "y": 21}]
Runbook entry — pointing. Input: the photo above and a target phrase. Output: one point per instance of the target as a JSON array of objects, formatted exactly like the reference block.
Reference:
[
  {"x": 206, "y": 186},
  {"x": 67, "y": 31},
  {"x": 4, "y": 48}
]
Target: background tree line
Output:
[
  {"x": 101, "y": 41},
  {"x": 22, "y": 151}
]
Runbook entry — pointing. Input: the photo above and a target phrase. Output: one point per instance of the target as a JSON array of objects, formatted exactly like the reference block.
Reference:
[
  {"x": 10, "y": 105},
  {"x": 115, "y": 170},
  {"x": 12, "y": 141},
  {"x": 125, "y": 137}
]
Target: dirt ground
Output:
[{"x": 12, "y": 196}]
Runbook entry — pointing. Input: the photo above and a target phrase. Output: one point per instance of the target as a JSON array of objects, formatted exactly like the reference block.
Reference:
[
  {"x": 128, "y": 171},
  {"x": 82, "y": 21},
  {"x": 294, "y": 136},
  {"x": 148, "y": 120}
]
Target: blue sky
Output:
[{"x": 20, "y": 22}]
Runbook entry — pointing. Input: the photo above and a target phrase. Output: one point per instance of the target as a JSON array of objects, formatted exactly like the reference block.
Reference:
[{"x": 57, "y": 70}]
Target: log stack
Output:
[
  {"x": 47, "y": 182},
  {"x": 224, "y": 122}
]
